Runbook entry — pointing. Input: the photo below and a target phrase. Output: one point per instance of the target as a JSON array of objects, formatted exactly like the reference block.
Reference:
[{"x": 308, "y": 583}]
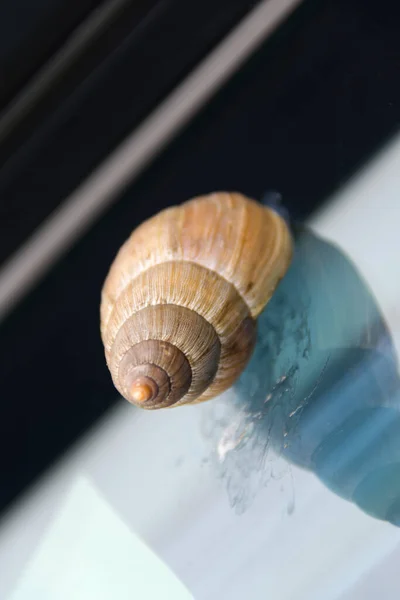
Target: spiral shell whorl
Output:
[
  {"x": 192, "y": 279},
  {"x": 185, "y": 333},
  {"x": 139, "y": 370}
]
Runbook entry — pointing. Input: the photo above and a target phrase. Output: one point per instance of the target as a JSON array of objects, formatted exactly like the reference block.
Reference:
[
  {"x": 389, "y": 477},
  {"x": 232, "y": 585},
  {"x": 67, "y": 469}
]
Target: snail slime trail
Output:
[{"x": 180, "y": 302}]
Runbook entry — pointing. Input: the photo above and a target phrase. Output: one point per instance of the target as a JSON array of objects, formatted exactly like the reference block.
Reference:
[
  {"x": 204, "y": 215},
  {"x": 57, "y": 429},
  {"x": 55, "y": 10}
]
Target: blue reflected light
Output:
[{"x": 323, "y": 381}]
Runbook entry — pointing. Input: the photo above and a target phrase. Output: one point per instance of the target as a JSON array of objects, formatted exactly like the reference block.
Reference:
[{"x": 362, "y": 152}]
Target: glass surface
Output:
[
  {"x": 88, "y": 552},
  {"x": 322, "y": 388},
  {"x": 288, "y": 485}
]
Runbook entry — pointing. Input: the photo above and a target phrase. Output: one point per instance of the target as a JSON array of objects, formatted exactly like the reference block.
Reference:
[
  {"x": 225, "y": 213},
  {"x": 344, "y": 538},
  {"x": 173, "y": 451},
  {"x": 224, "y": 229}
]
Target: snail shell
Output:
[{"x": 179, "y": 303}]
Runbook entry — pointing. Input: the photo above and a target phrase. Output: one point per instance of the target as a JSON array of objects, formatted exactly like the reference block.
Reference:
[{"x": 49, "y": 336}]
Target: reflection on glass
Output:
[{"x": 322, "y": 389}]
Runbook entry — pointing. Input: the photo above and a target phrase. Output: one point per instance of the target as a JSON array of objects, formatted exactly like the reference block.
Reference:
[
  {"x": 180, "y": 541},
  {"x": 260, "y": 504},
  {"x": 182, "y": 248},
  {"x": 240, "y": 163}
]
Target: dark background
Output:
[{"x": 305, "y": 112}]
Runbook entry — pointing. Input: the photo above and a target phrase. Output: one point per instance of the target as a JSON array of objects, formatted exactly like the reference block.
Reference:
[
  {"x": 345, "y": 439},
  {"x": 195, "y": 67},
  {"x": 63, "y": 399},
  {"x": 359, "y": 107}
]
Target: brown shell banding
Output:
[
  {"x": 244, "y": 242},
  {"x": 182, "y": 284},
  {"x": 173, "y": 379},
  {"x": 204, "y": 292},
  {"x": 235, "y": 355},
  {"x": 179, "y": 326},
  {"x": 196, "y": 276}
]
